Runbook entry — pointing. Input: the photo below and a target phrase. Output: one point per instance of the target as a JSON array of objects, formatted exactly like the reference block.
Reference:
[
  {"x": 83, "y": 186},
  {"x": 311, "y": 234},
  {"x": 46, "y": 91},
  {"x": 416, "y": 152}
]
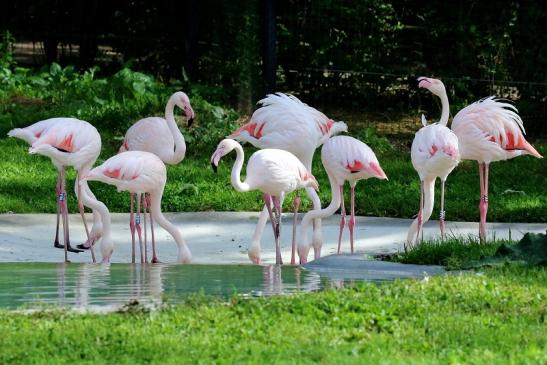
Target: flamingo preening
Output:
[
  {"x": 76, "y": 143},
  {"x": 163, "y": 138},
  {"x": 274, "y": 172},
  {"x": 345, "y": 159},
  {"x": 284, "y": 122},
  {"x": 490, "y": 130},
  {"x": 141, "y": 172},
  {"x": 434, "y": 153}
]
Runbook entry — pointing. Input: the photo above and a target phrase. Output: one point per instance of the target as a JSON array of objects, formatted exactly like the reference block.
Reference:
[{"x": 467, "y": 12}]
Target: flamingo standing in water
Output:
[
  {"x": 434, "y": 153},
  {"x": 68, "y": 142},
  {"x": 272, "y": 171},
  {"x": 141, "y": 172},
  {"x": 284, "y": 122},
  {"x": 490, "y": 130},
  {"x": 345, "y": 159},
  {"x": 163, "y": 138}
]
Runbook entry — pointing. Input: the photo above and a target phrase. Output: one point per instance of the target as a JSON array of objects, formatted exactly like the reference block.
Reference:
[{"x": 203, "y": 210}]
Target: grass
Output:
[
  {"x": 453, "y": 252},
  {"x": 113, "y": 103},
  {"x": 497, "y": 317},
  {"x": 26, "y": 185}
]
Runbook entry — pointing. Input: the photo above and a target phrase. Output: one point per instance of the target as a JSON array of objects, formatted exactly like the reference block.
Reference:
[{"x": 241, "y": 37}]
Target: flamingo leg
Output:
[
  {"x": 268, "y": 202},
  {"x": 342, "y": 217},
  {"x": 296, "y": 203},
  {"x": 144, "y": 208},
  {"x": 62, "y": 204},
  {"x": 483, "y": 205},
  {"x": 420, "y": 222},
  {"x": 132, "y": 226},
  {"x": 138, "y": 225},
  {"x": 277, "y": 203},
  {"x": 58, "y": 199},
  {"x": 64, "y": 214},
  {"x": 154, "y": 255},
  {"x": 442, "y": 212},
  {"x": 351, "y": 223}
]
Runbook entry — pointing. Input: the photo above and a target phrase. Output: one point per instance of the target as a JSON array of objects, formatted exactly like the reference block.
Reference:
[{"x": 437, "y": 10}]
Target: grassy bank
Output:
[
  {"x": 27, "y": 182},
  {"x": 113, "y": 103},
  {"x": 496, "y": 317}
]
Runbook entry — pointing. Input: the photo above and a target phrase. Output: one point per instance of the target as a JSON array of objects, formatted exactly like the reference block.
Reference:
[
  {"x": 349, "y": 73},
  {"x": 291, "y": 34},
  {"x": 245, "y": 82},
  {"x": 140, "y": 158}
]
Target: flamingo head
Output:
[
  {"x": 183, "y": 102},
  {"x": 224, "y": 147},
  {"x": 311, "y": 181},
  {"x": 434, "y": 85},
  {"x": 107, "y": 248}
]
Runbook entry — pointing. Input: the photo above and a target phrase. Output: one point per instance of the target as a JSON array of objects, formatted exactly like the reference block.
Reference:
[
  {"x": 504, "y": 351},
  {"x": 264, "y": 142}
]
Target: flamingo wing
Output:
[
  {"x": 131, "y": 169},
  {"x": 151, "y": 135},
  {"x": 349, "y": 155},
  {"x": 490, "y": 127}
]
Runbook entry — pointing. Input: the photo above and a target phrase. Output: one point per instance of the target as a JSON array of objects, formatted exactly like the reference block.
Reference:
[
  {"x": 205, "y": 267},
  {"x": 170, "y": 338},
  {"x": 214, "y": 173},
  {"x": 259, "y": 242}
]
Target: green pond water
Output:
[
  {"x": 96, "y": 286},
  {"x": 30, "y": 285}
]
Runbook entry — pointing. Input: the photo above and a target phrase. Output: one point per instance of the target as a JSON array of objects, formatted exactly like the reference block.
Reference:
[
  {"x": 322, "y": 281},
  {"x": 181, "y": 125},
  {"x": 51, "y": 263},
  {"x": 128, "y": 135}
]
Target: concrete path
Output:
[{"x": 222, "y": 237}]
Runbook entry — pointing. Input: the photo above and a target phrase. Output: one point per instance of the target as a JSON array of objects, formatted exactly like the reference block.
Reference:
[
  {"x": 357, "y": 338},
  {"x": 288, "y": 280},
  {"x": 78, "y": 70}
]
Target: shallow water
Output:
[
  {"x": 95, "y": 286},
  {"x": 31, "y": 285}
]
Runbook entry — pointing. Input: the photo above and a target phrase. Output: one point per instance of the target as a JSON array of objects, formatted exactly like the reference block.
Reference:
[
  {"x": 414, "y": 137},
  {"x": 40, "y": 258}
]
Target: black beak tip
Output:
[
  {"x": 190, "y": 122},
  {"x": 214, "y": 167}
]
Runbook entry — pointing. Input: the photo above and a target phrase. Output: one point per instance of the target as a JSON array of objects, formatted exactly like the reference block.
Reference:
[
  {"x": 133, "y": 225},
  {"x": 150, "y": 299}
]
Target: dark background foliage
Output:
[{"x": 359, "y": 55}]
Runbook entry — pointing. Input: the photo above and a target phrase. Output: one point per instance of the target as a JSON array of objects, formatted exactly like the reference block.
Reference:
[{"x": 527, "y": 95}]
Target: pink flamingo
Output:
[
  {"x": 490, "y": 130},
  {"x": 284, "y": 122},
  {"x": 345, "y": 159},
  {"x": 272, "y": 171},
  {"x": 141, "y": 172},
  {"x": 434, "y": 153},
  {"x": 163, "y": 138},
  {"x": 67, "y": 142}
]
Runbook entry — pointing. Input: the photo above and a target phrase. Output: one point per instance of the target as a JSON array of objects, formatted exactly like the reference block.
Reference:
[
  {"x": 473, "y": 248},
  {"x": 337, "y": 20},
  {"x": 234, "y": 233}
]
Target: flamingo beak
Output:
[
  {"x": 423, "y": 82},
  {"x": 215, "y": 160},
  {"x": 190, "y": 116}
]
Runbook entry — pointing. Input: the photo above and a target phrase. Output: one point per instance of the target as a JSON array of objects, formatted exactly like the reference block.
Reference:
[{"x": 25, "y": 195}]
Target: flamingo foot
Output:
[
  {"x": 68, "y": 247},
  {"x": 88, "y": 244},
  {"x": 73, "y": 249}
]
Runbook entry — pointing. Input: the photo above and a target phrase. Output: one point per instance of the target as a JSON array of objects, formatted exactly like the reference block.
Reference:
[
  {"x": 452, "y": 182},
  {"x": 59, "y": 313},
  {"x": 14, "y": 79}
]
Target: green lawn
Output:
[
  {"x": 493, "y": 317},
  {"x": 113, "y": 103},
  {"x": 27, "y": 182}
]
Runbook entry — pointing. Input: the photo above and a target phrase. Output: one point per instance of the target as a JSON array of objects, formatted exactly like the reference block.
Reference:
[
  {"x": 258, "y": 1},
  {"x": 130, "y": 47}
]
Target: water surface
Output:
[{"x": 96, "y": 286}]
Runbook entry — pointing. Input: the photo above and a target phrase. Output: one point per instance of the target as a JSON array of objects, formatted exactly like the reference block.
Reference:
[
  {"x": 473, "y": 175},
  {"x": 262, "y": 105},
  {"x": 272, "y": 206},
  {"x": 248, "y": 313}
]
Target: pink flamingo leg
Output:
[
  {"x": 342, "y": 217},
  {"x": 132, "y": 227},
  {"x": 351, "y": 223},
  {"x": 277, "y": 205},
  {"x": 442, "y": 212},
  {"x": 62, "y": 203},
  {"x": 138, "y": 226},
  {"x": 154, "y": 256},
  {"x": 144, "y": 207},
  {"x": 268, "y": 201},
  {"x": 58, "y": 200},
  {"x": 420, "y": 222},
  {"x": 296, "y": 203},
  {"x": 483, "y": 205}
]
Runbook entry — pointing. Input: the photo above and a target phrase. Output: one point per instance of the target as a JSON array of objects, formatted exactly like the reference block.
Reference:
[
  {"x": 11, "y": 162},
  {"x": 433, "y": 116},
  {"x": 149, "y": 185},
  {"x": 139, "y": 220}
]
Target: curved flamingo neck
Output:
[
  {"x": 445, "y": 107},
  {"x": 236, "y": 171},
  {"x": 98, "y": 208},
  {"x": 155, "y": 210},
  {"x": 321, "y": 213},
  {"x": 180, "y": 144}
]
